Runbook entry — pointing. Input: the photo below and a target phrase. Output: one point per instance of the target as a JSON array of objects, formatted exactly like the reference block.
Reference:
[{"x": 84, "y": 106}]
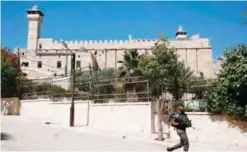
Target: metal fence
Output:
[
  {"x": 90, "y": 86},
  {"x": 190, "y": 94},
  {"x": 133, "y": 89}
]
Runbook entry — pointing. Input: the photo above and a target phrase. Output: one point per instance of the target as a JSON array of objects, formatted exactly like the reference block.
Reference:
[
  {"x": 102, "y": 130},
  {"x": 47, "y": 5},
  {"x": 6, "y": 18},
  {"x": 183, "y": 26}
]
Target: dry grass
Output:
[{"x": 234, "y": 121}]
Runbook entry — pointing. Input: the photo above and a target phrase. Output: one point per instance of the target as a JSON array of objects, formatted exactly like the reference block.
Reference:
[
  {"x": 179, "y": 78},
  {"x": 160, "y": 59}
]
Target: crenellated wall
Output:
[
  {"x": 195, "y": 52},
  {"x": 48, "y": 43}
]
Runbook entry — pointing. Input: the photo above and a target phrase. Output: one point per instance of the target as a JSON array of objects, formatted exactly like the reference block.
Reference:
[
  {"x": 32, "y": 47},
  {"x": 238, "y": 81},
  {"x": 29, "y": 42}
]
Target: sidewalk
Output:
[{"x": 194, "y": 145}]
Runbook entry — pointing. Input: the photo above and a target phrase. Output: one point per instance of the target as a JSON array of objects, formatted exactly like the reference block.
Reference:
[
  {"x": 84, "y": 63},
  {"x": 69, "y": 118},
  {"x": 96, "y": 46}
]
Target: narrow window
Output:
[
  {"x": 59, "y": 64},
  {"x": 78, "y": 64},
  {"x": 40, "y": 46},
  {"x": 39, "y": 64}
]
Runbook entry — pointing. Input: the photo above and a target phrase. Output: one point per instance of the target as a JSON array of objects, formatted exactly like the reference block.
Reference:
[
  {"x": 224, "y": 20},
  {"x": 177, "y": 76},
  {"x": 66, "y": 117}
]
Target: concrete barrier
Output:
[{"x": 10, "y": 106}]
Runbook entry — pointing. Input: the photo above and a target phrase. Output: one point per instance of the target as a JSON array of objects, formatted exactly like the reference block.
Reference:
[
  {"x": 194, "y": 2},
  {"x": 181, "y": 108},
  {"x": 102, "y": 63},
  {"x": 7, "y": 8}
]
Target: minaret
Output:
[
  {"x": 130, "y": 37},
  {"x": 181, "y": 34},
  {"x": 35, "y": 18}
]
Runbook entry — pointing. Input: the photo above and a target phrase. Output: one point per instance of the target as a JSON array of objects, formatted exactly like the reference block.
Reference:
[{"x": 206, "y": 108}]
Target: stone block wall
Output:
[{"x": 196, "y": 53}]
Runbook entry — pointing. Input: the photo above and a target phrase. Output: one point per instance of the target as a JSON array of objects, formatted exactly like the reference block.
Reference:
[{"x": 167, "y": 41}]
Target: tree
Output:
[
  {"x": 83, "y": 81},
  {"x": 230, "y": 92},
  {"x": 11, "y": 73},
  {"x": 129, "y": 70},
  {"x": 8, "y": 80},
  {"x": 104, "y": 84},
  {"x": 180, "y": 83},
  {"x": 159, "y": 68},
  {"x": 9, "y": 57},
  {"x": 198, "y": 85}
]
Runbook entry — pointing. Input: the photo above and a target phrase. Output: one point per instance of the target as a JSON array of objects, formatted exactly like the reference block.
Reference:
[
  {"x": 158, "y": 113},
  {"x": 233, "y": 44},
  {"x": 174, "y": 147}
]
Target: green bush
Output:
[{"x": 230, "y": 92}]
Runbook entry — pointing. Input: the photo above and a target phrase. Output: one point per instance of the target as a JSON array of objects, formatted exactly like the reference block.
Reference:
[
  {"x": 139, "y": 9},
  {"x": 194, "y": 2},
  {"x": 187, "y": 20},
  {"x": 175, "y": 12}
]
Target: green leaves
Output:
[
  {"x": 230, "y": 93},
  {"x": 8, "y": 80},
  {"x": 163, "y": 67},
  {"x": 129, "y": 67}
]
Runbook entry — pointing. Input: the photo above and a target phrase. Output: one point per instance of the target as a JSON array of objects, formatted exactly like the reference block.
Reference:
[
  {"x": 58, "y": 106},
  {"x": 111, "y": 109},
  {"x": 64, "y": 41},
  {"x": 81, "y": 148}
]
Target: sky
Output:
[{"x": 221, "y": 22}]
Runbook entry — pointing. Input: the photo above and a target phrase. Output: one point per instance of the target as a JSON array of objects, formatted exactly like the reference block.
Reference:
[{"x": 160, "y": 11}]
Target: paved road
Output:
[{"x": 32, "y": 134}]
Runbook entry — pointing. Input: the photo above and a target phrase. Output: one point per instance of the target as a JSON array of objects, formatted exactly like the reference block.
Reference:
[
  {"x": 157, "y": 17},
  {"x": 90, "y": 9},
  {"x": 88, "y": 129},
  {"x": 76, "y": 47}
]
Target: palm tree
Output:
[
  {"x": 198, "y": 86},
  {"x": 180, "y": 83},
  {"x": 129, "y": 71}
]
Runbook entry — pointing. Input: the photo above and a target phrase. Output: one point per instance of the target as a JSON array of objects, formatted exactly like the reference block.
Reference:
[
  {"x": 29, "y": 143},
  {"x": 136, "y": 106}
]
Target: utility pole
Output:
[
  {"x": 53, "y": 52},
  {"x": 176, "y": 92},
  {"x": 66, "y": 66},
  {"x": 91, "y": 84},
  {"x": 19, "y": 71},
  {"x": 72, "y": 106}
]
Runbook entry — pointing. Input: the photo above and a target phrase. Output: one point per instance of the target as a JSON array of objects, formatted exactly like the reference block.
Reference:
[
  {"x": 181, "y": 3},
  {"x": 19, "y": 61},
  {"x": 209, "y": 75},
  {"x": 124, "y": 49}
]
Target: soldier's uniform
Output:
[{"x": 181, "y": 131}]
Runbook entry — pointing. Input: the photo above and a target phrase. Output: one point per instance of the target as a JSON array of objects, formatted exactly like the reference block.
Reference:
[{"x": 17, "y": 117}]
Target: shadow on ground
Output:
[{"x": 5, "y": 136}]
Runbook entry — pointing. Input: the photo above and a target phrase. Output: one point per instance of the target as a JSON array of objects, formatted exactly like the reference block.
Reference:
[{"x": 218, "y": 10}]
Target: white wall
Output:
[
  {"x": 55, "y": 112},
  {"x": 133, "y": 118},
  {"x": 117, "y": 117},
  {"x": 121, "y": 117},
  {"x": 35, "y": 108}
]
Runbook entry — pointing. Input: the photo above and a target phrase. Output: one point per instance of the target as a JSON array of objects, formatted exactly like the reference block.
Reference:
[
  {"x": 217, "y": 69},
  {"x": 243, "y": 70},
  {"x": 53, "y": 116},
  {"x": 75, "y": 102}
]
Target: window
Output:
[
  {"x": 39, "y": 64},
  {"x": 23, "y": 53},
  {"x": 59, "y": 64},
  {"x": 40, "y": 46},
  {"x": 25, "y": 64},
  {"x": 78, "y": 64}
]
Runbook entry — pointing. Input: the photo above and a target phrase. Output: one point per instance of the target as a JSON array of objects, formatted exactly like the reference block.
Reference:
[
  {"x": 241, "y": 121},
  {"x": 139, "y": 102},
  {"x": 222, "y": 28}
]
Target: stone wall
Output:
[
  {"x": 10, "y": 106},
  {"x": 196, "y": 53}
]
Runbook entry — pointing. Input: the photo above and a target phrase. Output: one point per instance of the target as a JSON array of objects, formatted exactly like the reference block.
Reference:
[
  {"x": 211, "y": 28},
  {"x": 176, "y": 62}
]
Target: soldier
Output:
[{"x": 180, "y": 122}]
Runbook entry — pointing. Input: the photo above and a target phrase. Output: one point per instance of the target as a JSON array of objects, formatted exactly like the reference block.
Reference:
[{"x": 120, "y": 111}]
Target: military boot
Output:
[{"x": 169, "y": 149}]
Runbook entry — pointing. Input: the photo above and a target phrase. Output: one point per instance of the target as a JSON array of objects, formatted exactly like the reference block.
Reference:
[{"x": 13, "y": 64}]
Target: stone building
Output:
[
  {"x": 196, "y": 52},
  {"x": 218, "y": 65}
]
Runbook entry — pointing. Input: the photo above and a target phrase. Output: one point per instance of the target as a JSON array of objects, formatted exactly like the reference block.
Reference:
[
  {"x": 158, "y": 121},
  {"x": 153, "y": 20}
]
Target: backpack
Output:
[{"x": 182, "y": 119}]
